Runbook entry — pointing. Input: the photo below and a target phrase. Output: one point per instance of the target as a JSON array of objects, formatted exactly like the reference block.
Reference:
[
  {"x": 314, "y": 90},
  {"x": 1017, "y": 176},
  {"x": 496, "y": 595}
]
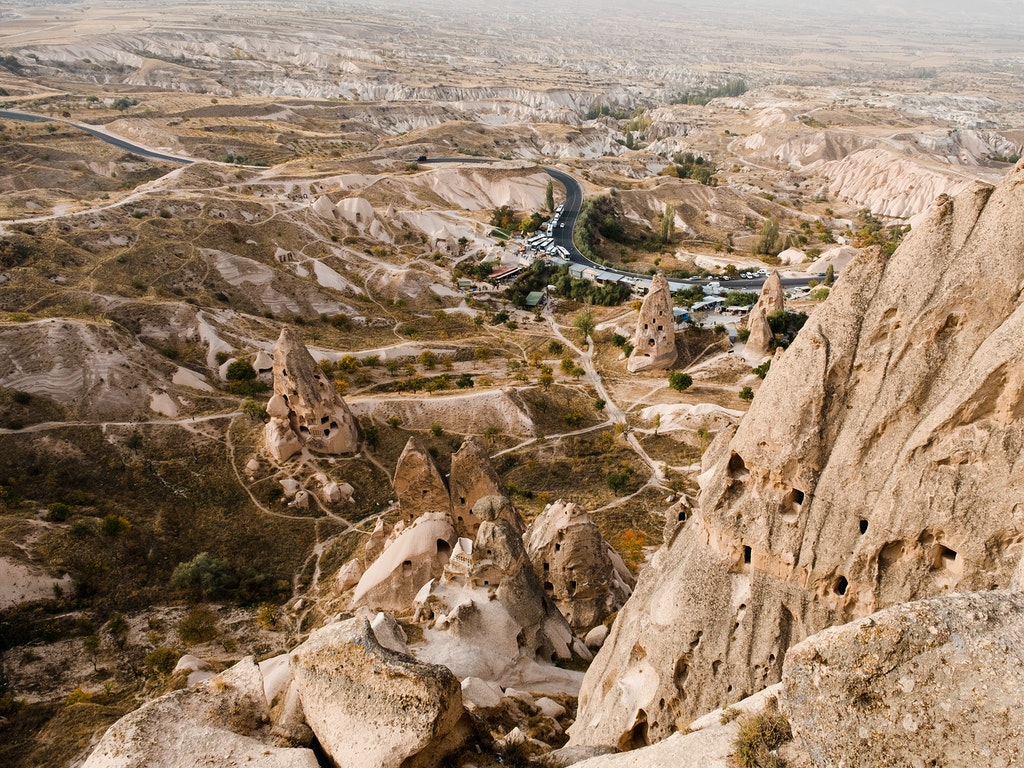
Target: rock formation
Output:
[
  {"x": 305, "y": 410},
  {"x": 771, "y": 300},
  {"x": 880, "y": 463},
  {"x": 418, "y": 483},
  {"x": 935, "y": 682},
  {"x": 371, "y": 707},
  {"x": 578, "y": 569},
  {"x": 654, "y": 340},
  {"x": 491, "y": 603},
  {"x": 471, "y": 479},
  {"x": 223, "y": 721}
]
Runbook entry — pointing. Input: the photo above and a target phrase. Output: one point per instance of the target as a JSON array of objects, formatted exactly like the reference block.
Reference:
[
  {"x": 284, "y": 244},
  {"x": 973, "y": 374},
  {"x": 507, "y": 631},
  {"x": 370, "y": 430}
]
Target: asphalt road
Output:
[{"x": 124, "y": 144}]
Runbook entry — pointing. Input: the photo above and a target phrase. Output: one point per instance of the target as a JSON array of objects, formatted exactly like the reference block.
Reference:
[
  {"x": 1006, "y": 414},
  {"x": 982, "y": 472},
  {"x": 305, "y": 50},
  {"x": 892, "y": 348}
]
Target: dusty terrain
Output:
[{"x": 127, "y": 284}]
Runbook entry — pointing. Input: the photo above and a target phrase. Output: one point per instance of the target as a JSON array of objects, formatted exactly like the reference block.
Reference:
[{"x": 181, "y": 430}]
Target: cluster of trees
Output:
[
  {"x": 207, "y": 577},
  {"x": 689, "y": 166},
  {"x": 597, "y": 109},
  {"x": 785, "y": 325},
  {"x": 505, "y": 217},
  {"x": 736, "y": 87},
  {"x": 541, "y": 274},
  {"x": 873, "y": 231}
]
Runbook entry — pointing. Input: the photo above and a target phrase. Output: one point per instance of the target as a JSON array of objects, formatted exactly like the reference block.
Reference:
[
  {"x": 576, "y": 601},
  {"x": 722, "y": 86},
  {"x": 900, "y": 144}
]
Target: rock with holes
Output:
[
  {"x": 471, "y": 479},
  {"x": 934, "y": 682},
  {"x": 223, "y": 721},
  {"x": 880, "y": 463},
  {"x": 305, "y": 410},
  {"x": 371, "y": 707},
  {"x": 771, "y": 300},
  {"x": 418, "y": 483},
  {"x": 413, "y": 555},
  {"x": 577, "y": 567},
  {"x": 654, "y": 339}
]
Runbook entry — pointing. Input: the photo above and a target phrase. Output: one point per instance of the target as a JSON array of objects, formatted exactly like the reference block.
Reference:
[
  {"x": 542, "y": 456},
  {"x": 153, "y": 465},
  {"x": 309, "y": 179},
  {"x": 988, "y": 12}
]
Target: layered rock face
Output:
[
  {"x": 935, "y": 682},
  {"x": 654, "y": 340},
  {"x": 880, "y": 463},
  {"x": 579, "y": 570},
  {"x": 305, "y": 409},
  {"x": 772, "y": 299}
]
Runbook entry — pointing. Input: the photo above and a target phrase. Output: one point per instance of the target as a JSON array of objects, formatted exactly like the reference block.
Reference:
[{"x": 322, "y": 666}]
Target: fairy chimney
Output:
[{"x": 654, "y": 341}]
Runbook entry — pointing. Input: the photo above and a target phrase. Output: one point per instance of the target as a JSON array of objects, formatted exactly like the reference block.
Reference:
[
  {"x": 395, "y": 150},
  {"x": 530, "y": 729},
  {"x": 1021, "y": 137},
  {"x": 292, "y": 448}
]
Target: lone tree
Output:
[
  {"x": 584, "y": 323},
  {"x": 680, "y": 381},
  {"x": 668, "y": 223},
  {"x": 549, "y": 196}
]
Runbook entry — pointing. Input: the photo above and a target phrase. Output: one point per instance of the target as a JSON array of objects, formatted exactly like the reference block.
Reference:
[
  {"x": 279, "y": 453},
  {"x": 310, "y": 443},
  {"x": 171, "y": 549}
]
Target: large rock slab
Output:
[
  {"x": 771, "y": 300},
  {"x": 935, "y": 682},
  {"x": 371, "y": 707},
  {"x": 223, "y": 721}
]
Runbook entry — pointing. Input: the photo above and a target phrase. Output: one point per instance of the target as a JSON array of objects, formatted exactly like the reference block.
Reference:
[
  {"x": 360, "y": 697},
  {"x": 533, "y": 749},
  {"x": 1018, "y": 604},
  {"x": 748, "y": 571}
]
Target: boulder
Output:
[
  {"x": 654, "y": 339},
  {"x": 223, "y": 721},
  {"x": 577, "y": 567},
  {"x": 371, "y": 707},
  {"x": 933, "y": 682},
  {"x": 480, "y": 694},
  {"x": 879, "y": 464}
]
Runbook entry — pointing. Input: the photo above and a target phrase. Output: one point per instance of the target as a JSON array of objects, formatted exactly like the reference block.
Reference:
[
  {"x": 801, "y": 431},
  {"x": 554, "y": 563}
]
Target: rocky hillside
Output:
[{"x": 880, "y": 463}]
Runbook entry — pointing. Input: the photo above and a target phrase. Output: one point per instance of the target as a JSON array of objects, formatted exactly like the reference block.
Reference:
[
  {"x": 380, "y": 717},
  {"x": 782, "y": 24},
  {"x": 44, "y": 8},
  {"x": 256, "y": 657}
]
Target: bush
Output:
[
  {"x": 241, "y": 370},
  {"x": 58, "y": 512},
  {"x": 115, "y": 525},
  {"x": 762, "y": 370},
  {"x": 680, "y": 381},
  {"x": 758, "y": 738},
  {"x": 198, "y": 626},
  {"x": 746, "y": 394},
  {"x": 21, "y": 398},
  {"x": 204, "y": 575},
  {"x": 162, "y": 661}
]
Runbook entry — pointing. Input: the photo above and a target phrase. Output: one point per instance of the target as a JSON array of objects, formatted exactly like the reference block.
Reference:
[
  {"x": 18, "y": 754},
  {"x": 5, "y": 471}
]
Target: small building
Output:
[
  {"x": 465, "y": 284},
  {"x": 534, "y": 298},
  {"x": 504, "y": 274}
]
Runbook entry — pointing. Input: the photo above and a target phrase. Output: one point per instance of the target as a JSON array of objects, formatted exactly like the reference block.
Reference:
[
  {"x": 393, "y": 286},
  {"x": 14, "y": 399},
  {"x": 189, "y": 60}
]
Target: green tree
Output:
[
  {"x": 241, "y": 370},
  {"x": 770, "y": 241},
  {"x": 830, "y": 275},
  {"x": 680, "y": 381},
  {"x": 117, "y": 627},
  {"x": 746, "y": 394},
  {"x": 549, "y": 196},
  {"x": 668, "y": 223},
  {"x": 584, "y": 323},
  {"x": 204, "y": 575}
]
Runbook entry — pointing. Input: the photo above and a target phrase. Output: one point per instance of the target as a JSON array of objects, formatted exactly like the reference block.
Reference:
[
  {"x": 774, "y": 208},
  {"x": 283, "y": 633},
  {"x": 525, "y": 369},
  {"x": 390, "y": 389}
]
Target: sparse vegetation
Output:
[{"x": 759, "y": 736}]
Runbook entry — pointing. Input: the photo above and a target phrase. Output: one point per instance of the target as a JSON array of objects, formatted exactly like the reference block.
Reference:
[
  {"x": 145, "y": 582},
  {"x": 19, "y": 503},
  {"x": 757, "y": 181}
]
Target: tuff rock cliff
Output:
[{"x": 879, "y": 463}]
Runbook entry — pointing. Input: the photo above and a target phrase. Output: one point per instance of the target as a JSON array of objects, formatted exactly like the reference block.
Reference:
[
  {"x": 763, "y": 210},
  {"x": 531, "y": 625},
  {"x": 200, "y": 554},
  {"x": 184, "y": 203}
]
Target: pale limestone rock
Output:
[
  {"x": 306, "y": 401},
  {"x": 417, "y": 555},
  {"x": 480, "y": 694},
  {"x": 198, "y": 670},
  {"x": 934, "y": 682},
  {"x": 878, "y": 464},
  {"x": 472, "y": 477},
  {"x": 418, "y": 483},
  {"x": 578, "y": 569},
  {"x": 336, "y": 492},
  {"x": 301, "y": 500},
  {"x": 371, "y": 707},
  {"x": 349, "y": 575},
  {"x": 550, "y": 708},
  {"x": 654, "y": 340},
  {"x": 389, "y": 632},
  {"x": 595, "y": 638},
  {"x": 771, "y": 300},
  {"x": 223, "y": 721}
]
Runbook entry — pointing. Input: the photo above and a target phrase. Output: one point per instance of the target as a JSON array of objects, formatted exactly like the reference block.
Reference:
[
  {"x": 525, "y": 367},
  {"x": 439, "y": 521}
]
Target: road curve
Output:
[{"x": 571, "y": 212}]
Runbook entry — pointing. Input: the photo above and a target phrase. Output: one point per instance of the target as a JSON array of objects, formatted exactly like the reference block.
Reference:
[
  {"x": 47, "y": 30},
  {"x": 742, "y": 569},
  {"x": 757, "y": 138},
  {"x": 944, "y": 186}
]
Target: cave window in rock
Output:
[
  {"x": 682, "y": 517},
  {"x": 407, "y": 567},
  {"x": 558, "y": 547},
  {"x": 944, "y": 558},
  {"x": 636, "y": 737},
  {"x": 549, "y": 587},
  {"x": 462, "y": 500},
  {"x": 737, "y": 467},
  {"x": 748, "y": 555},
  {"x": 572, "y": 588},
  {"x": 661, "y": 328},
  {"x": 324, "y": 419},
  {"x": 863, "y": 527},
  {"x": 650, "y": 342},
  {"x": 443, "y": 546},
  {"x": 547, "y": 567},
  {"x": 841, "y": 586}
]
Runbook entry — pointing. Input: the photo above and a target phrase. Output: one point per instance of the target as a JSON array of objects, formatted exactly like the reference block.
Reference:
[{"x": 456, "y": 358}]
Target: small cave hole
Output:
[
  {"x": 572, "y": 588},
  {"x": 549, "y": 587},
  {"x": 547, "y": 567},
  {"x": 443, "y": 546},
  {"x": 863, "y": 527},
  {"x": 748, "y": 554},
  {"x": 841, "y": 586},
  {"x": 682, "y": 517},
  {"x": 737, "y": 467}
]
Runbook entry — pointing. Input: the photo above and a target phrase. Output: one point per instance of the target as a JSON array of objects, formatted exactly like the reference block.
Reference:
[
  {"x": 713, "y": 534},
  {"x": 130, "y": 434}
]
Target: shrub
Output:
[
  {"x": 619, "y": 481},
  {"x": 241, "y": 370},
  {"x": 762, "y": 370},
  {"x": 255, "y": 411},
  {"x": 198, "y": 626},
  {"x": 21, "y": 398},
  {"x": 162, "y": 661},
  {"x": 115, "y": 525},
  {"x": 78, "y": 696},
  {"x": 204, "y": 575},
  {"x": 758, "y": 738},
  {"x": 222, "y": 357},
  {"x": 746, "y": 394},
  {"x": 680, "y": 381},
  {"x": 599, "y": 404},
  {"x": 58, "y": 512},
  {"x": 436, "y": 430}
]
